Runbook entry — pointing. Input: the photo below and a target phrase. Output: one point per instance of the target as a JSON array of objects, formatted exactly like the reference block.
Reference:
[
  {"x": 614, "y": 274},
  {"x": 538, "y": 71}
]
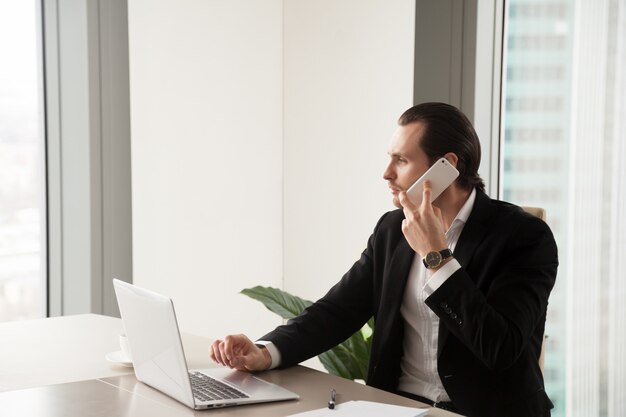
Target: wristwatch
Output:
[{"x": 433, "y": 259}]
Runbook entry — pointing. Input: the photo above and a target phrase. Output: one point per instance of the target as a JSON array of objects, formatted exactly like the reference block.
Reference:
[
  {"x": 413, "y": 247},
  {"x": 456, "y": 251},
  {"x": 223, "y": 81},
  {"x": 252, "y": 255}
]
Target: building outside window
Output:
[
  {"x": 563, "y": 149},
  {"x": 22, "y": 167}
]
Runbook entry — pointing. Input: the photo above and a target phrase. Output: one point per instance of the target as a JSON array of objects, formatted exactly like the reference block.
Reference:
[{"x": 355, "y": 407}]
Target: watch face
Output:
[{"x": 433, "y": 259}]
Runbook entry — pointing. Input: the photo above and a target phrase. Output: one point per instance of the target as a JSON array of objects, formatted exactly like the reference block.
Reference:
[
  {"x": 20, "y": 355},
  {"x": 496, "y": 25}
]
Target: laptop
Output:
[{"x": 159, "y": 360}]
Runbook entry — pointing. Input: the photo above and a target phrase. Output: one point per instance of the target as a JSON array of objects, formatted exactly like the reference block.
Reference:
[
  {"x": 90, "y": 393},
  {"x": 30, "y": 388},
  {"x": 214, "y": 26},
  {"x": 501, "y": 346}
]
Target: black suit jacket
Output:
[{"x": 492, "y": 311}]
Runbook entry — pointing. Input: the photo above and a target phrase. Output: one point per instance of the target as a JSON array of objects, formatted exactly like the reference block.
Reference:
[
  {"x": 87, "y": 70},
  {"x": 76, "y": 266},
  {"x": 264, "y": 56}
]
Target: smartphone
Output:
[{"x": 441, "y": 174}]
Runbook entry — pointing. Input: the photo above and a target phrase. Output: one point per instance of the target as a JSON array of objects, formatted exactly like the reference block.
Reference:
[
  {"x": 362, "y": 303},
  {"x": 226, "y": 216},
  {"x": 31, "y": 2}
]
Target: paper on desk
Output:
[{"x": 364, "y": 409}]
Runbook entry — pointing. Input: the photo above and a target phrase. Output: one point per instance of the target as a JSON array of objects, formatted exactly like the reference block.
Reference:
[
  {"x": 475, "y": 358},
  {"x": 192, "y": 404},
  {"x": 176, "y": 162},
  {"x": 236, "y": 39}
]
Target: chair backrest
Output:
[
  {"x": 536, "y": 211},
  {"x": 541, "y": 213}
]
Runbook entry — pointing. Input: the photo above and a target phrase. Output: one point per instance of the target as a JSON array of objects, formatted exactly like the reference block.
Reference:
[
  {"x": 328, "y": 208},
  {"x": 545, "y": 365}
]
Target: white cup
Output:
[{"x": 124, "y": 347}]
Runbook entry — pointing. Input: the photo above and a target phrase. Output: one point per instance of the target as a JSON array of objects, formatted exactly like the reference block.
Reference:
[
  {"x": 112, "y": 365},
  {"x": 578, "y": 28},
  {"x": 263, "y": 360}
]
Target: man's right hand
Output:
[{"x": 239, "y": 352}]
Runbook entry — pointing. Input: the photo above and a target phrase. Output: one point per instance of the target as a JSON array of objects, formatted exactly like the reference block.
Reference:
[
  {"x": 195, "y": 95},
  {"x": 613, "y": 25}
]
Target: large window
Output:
[
  {"x": 564, "y": 134},
  {"x": 22, "y": 185}
]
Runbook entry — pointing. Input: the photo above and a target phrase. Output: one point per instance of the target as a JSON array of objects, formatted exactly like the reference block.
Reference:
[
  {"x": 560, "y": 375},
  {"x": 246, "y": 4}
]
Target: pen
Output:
[{"x": 333, "y": 395}]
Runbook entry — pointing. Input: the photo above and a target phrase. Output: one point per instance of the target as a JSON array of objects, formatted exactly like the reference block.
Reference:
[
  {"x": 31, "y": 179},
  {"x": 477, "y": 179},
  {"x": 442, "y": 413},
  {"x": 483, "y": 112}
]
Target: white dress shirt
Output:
[
  {"x": 421, "y": 326},
  {"x": 419, "y": 362}
]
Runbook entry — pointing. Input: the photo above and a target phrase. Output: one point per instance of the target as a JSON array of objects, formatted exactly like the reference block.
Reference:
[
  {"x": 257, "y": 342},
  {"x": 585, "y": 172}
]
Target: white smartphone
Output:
[{"x": 441, "y": 174}]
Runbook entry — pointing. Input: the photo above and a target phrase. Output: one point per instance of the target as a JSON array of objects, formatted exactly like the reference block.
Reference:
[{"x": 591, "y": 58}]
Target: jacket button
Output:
[
  {"x": 448, "y": 310},
  {"x": 444, "y": 304},
  {"x": 453, "y": 315},
  {"x": 459, "y": 321}
]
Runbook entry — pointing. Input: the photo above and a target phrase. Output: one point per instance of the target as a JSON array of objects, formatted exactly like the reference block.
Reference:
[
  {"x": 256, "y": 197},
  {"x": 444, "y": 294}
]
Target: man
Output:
[{"x": 462, "y": 332}]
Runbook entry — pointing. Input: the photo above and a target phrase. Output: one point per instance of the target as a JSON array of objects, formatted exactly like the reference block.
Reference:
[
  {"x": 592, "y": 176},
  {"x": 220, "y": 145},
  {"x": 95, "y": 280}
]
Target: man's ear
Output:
[{"x": 452, "y": 158}]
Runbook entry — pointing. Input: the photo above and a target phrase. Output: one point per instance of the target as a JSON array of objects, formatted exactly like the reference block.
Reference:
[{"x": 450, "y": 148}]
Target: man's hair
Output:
[{"x": 447, "y": 129}]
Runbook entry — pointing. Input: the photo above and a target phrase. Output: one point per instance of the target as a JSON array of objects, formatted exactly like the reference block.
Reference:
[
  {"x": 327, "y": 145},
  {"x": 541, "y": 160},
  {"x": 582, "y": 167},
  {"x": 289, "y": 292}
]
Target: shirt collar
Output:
[{"x": 466, "y": 210}]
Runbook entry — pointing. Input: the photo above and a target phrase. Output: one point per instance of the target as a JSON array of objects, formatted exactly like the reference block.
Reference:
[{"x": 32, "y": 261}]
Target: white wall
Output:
[
  {"x": 220, "y": 139},
  {"x": 348, "y": 76},
  {"x": 206, "y": 128}
]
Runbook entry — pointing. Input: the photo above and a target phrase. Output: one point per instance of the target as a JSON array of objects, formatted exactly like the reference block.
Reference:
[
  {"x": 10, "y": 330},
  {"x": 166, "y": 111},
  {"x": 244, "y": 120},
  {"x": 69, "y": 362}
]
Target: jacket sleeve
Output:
[
  {"x": 332, "y": 319},
  {"x": 497, "y": 321}
]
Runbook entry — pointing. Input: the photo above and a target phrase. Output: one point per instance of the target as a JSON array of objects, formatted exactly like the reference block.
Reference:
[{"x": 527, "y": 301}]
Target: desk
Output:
[{"x": 69, "y": 352}]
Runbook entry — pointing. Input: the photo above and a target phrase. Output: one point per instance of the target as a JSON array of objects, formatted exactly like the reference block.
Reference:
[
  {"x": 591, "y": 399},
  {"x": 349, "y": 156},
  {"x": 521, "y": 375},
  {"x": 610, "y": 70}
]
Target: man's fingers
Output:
[
  {"x": 411, "y": 209},
  {"x": 427, "y": 193},
  {"x": 213, "y": 352},
  {"x": 216, "y": 354},
  {"x": 438, "y": 213},
  {"x": 238, "y": 352},
  {"x": 407, "y": 205},
  {"x": 227, "y": 348},
  {"x": 234, "y": 345},
  {"x": 402, "y": 198}
]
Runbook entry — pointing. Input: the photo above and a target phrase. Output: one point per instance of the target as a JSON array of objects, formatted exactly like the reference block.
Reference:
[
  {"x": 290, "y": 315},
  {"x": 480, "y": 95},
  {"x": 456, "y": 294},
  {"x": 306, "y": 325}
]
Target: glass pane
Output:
[
  {"x": 22, "y": 186},
  {"x": 563, "y": 149}
]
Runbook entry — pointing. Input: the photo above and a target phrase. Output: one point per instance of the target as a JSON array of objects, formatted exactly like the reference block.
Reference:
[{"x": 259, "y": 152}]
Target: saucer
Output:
[{"x": 119, "y": 358}]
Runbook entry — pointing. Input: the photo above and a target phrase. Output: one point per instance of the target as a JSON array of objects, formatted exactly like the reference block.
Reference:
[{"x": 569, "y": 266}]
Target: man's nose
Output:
[{"x": 388, "y": 174}]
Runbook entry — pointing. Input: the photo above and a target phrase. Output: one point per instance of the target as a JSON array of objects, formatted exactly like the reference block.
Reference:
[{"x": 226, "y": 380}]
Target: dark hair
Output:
[{"x": 447, "y": 129}]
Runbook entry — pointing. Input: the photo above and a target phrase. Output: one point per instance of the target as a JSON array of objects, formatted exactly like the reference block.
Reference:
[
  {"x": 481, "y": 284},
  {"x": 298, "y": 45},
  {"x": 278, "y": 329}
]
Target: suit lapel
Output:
[
  {"x": 474, "y": 229},
  {"x": 395, "y": 280},
  {"x": 471, "y": 237}
]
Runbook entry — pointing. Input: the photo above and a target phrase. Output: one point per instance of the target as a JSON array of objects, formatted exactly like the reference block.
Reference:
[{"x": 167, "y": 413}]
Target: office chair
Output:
[{"x": 541, "y": 213}]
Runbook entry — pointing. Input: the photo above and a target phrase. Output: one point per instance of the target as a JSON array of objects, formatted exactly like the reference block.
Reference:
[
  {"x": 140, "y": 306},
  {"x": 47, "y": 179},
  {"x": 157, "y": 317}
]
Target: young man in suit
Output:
[{"x": 458, "y": 288}]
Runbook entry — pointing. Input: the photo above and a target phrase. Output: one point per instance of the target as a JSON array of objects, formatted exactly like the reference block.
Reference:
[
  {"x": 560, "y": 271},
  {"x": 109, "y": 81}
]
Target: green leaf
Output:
[
  {"x": 278, "y": 301},
  {"x": 360, "y": 353},
  {"x": 348, "y": 359},
  {"x": 368, "y": 329},
  {"x": 334, "y": 363}
]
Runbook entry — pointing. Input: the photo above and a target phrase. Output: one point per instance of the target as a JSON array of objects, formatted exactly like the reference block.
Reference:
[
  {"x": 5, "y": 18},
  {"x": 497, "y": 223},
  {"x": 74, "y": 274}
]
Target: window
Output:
[
  {"x": 563, "y": 148},
  {"x": 22, "y": 185}
]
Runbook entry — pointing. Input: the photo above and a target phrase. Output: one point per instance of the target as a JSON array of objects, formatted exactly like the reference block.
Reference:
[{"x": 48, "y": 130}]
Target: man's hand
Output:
[
  {"x": 239, "y": 352},
  {"x": 423, "y": 225}
]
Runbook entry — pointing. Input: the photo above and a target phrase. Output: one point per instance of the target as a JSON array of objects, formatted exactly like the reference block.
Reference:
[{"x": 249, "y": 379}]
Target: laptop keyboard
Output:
[{"x": 206, "y": 388}]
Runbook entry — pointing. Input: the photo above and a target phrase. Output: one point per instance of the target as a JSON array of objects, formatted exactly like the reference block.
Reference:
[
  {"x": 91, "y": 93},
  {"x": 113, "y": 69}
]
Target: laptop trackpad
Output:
[
  {"x": 248, "y": 383},
  {"x": 245, "y": 381}
]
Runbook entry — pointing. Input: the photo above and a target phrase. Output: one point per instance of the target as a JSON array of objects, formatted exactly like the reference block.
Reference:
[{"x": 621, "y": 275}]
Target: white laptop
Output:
[{"x": 159, "y": 360}]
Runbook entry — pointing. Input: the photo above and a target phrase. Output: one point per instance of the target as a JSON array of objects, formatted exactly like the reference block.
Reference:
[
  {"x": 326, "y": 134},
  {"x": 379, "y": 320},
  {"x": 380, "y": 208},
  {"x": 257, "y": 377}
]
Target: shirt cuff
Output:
[
  {"x": 272, "y": 350},
  {"x": 440, "y": 276}
]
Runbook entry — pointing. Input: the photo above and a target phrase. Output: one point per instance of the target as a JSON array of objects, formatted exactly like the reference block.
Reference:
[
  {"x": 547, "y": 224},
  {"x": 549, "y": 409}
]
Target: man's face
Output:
[{"x": 407, "y": 161}]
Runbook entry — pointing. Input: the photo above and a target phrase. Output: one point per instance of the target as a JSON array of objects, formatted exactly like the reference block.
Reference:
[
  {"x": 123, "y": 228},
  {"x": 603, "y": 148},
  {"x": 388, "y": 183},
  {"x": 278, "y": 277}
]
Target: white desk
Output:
[
  {"x": 69, "y": 349},
  {"x": 57, "y": 350}
]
